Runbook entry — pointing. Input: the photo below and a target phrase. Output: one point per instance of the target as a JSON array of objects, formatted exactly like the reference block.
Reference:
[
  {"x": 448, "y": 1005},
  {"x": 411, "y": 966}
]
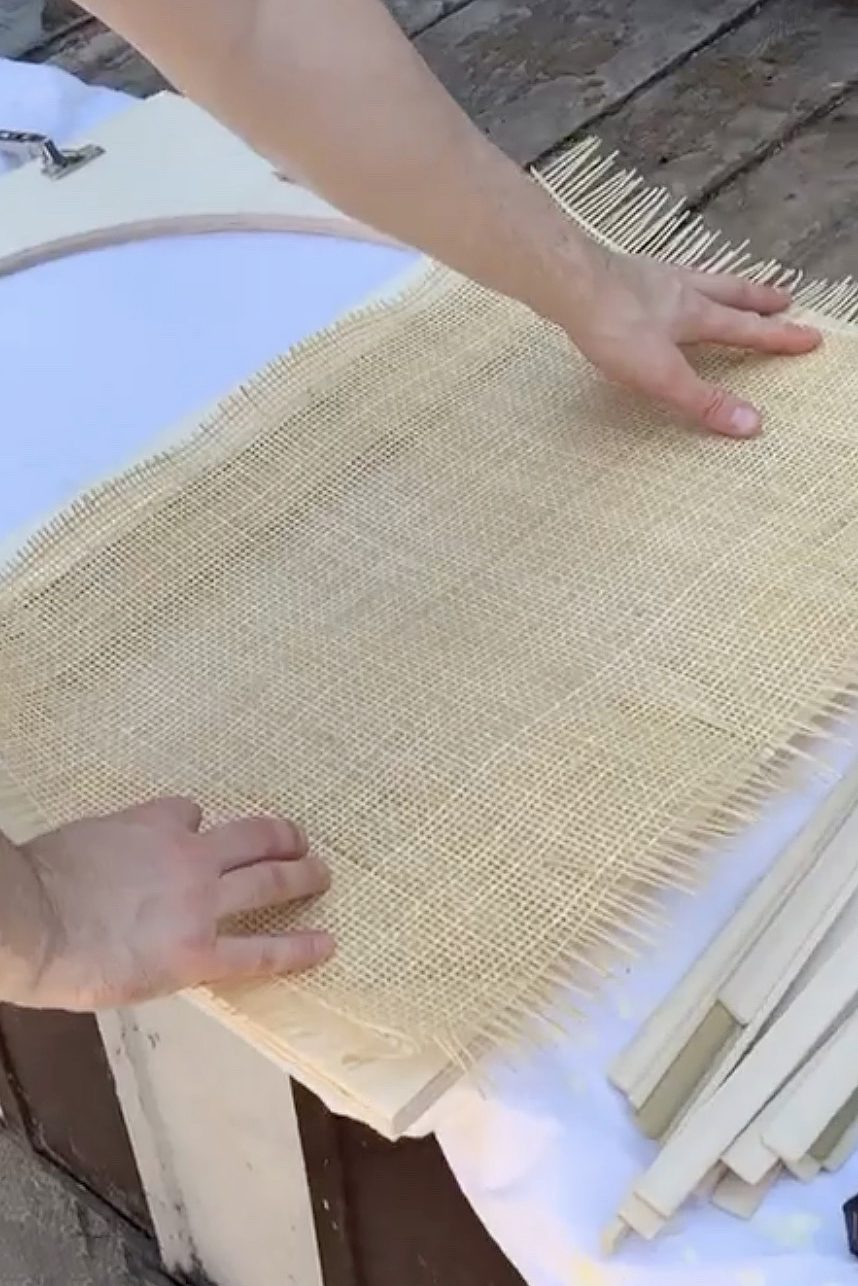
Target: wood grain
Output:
[
  {"x": 801, "y": 204},
  {"x": 740, "y": 98},
  {"x": 99, "y": 57},
  {"x": 531, "y": 74},
  {"x": 20, "y": 27},
  {"x": 415, "y": 16}
]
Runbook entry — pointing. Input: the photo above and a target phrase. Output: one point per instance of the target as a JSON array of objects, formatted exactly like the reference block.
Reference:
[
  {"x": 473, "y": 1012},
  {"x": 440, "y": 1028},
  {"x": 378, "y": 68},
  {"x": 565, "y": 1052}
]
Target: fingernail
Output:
[
  {"x": 323, "y": 869},
  {"x": 809, "y": 333},
  {"x": 745, "y": 421}
]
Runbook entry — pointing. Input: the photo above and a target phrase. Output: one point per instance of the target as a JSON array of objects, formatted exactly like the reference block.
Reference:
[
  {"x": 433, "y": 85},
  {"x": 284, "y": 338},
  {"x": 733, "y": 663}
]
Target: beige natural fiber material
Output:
[{"x": 511, "y": 645}]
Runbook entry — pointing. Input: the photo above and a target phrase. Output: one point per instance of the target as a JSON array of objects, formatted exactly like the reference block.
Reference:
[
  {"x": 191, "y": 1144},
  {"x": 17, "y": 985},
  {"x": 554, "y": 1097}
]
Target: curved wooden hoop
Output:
[
  {"x": 191, "y": 225},
  {"x": 161, "y": 168},
  {"x": 187, "y": 226}
]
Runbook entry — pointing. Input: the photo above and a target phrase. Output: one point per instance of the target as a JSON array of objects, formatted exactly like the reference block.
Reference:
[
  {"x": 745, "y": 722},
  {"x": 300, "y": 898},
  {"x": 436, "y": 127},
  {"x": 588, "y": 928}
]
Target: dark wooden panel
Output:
[
  {"x": 391, "y": 1214},
  {"x": 532, "y": 74},
  {"x": 411, "y": 1222},
  {"x": 60, "y": 1070},
  {"x": 738, "y": 100},
  {"x": 320, "y": 1141},
  {"x": 11, "y": 1099}
]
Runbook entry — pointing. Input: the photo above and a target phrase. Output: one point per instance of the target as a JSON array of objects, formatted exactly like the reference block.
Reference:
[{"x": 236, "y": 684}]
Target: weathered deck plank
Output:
[
  {"x": 26, "y": 25},
  {"x": 529, "y": 73},
  {"x": 415, "y": 16},
  {"x": 533, "y": 73},
  {"x": 99, "y": 57},
  {"x": 741, "y": 97},
  {"x": 20, "y": 27},
  {"x": 801, "y": 204},
  {"x": 759, "y": 129}
]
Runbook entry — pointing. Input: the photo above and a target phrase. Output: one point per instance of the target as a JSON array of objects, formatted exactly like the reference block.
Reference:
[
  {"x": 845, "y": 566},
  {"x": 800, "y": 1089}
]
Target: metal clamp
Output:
[{"x": 56, "y": 162}]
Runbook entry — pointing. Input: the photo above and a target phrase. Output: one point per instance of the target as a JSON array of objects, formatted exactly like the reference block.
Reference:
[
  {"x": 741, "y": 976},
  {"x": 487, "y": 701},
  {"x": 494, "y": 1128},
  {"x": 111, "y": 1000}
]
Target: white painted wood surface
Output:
[
  {"x": 213, "y": 1127},
  {"x": 167, "y": 169}
]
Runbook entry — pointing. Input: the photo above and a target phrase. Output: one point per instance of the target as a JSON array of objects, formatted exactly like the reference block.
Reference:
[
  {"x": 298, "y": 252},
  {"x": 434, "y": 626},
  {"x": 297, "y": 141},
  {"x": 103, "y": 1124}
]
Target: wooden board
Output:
[
  {"x": 79, "y": 1126},
  {"x": 98, "y": 56},
  {"x": 163, "y": 159},
  {"x": 812, "y": 185},
  {"x": 708, "y": 1132},
  {"x": 161, "y": 173},
  {"x": 531, "y": 75},
  {"x": 20, "y": 27},
  {"x": 742, "y": 98}
]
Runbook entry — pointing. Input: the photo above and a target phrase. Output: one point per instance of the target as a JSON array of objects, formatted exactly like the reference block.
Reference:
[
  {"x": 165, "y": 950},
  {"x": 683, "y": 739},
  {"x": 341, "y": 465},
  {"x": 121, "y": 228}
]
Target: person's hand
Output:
[
  {"x": 639, "y": 314},
  {"x": 125, "y": 908}
]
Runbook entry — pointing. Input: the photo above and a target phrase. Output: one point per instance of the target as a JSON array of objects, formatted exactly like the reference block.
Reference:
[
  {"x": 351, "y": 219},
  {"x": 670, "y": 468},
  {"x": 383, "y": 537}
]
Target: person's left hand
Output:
[{"x": 121, "y": 909}]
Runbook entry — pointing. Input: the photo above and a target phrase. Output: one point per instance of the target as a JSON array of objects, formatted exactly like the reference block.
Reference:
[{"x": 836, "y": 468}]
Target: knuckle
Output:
[
  {"x": 311, "y": 875},
  {"x": 713, "y": 405},
  {"x": 277, "y": 882},
  {"x": 272, "y": 837},
  {"x": 289, "y": 837}
]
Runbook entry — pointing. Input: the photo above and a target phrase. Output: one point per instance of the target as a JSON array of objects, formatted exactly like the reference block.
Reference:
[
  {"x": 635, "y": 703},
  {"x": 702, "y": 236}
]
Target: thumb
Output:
[{"x": 711, "y": 407}]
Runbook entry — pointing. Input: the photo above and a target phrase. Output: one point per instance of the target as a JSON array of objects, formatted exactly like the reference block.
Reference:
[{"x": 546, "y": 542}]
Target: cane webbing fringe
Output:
[{"x": 514, "y": 648}]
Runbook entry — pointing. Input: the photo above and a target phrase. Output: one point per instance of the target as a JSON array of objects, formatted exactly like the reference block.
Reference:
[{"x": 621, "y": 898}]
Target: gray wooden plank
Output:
[
  {"x": 416, "y": 15},
  {"x": 740, "y": 98},
  {"x": 801, "y": 204},
  {"x": 20, "y": 26},
  {"x": 532, "y": 73},
  {"x": 99, "y": 57},
  {"x": 26, "y": 24},
  {"x": 57, "y": 14},
  {"x": 58, "y": 31}
]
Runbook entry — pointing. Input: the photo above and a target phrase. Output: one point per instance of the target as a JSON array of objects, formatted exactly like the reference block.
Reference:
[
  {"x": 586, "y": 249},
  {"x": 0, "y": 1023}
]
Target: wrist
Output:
[{"x": 569, "y": 270}]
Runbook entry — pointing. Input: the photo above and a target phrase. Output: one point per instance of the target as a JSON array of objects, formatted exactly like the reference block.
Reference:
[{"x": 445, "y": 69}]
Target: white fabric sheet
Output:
[{"x": 101, "y": 354}]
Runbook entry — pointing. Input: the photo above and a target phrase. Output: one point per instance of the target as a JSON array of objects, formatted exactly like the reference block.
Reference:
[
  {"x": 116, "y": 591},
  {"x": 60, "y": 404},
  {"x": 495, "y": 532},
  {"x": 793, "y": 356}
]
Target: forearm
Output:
[{"x": 333, "y": 89}]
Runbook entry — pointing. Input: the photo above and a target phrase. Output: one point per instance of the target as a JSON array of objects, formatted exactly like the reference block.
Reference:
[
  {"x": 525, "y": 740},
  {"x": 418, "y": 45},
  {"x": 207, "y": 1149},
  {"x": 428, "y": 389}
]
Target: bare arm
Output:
[{"x": 333, "y": 89}]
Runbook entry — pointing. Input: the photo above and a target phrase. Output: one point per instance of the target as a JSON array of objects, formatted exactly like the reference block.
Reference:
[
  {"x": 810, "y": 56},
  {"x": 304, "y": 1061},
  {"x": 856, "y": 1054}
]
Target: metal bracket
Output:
[{"x": 56, "y": 162}]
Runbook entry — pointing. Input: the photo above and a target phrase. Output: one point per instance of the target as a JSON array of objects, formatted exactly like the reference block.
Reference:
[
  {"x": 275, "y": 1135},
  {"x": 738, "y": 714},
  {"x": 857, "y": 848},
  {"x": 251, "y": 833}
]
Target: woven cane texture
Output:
[{"x": 508, "y": 643}]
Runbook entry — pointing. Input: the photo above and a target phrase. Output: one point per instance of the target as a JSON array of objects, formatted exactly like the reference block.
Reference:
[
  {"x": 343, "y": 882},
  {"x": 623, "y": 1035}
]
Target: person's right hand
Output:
[
  {"x": 121, "y": 909},
  {"x": 638, "y": 316}
]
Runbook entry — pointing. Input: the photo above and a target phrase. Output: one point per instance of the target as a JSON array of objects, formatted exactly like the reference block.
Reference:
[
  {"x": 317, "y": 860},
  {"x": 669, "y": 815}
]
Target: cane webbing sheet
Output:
[{"x": 508, "y": 643}]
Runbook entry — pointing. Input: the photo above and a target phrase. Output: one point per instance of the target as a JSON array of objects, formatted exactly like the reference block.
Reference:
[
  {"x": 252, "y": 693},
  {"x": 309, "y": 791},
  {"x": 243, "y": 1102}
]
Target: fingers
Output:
[
  {"x": 253, "y": 839},
  {"x": 268, "y": 883},
  {"x": 674, "y": 381},
  {"x": 237, "y": 959},
  {"x": 174, "y": 813},
  {"x": 736, "y": 292},
  {"x": 749, "y": 330}
]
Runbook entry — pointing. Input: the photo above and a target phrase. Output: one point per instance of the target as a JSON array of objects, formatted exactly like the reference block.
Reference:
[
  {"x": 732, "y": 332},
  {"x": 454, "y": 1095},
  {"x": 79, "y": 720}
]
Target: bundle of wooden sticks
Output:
[{"x": 749, "y": 1070}]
